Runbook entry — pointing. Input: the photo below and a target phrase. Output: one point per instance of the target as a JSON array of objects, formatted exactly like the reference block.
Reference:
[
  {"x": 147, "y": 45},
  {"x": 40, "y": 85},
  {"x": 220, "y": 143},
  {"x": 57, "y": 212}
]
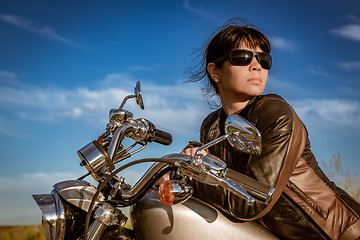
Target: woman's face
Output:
[{"x": 241, "y": 82}]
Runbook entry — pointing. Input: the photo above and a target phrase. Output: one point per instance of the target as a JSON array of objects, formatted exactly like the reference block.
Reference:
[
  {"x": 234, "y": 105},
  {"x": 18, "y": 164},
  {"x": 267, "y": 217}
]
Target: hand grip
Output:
[{"x": 161, "y": 137}]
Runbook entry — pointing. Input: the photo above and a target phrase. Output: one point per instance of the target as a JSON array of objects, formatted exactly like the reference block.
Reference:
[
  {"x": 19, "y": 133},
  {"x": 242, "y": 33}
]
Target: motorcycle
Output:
[{"x": 76, "y": 209}]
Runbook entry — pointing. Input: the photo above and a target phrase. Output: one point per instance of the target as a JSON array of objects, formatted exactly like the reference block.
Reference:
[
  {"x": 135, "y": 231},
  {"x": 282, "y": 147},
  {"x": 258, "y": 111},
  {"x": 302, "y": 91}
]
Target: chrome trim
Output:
[
  {"x": 119, "y": 115},
  {"x": 96, "y": 230},
  {"x": 213, "y": 165},
  {"x": 237, "y": 190},
  {"x": 79, "y": 193},
  {"x": 197, "y": 157},
  {"x": 105, "y": 214},
  {"x": 119, "y": 132},
  {"x": 94, "y": 157},
  {"x": 121, "y": 156},
  {"x": 137, "y": 95},
  {"x": 155, "y": 168},
  {"x": 61, "y": 220},
  {"x": 246, "y": 137},
  {"x": 53, "y": 219},
  {"x": 181, "y": 190},
  {"x": 46, "y": 203},
  {"x": 270, "y": 194}
]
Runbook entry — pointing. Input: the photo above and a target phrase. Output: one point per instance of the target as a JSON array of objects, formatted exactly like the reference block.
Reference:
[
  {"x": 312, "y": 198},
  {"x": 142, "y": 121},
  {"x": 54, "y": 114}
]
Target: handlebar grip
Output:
[
  {"x": 252, "y": 186},
  {"x": 161, "y": 137}
]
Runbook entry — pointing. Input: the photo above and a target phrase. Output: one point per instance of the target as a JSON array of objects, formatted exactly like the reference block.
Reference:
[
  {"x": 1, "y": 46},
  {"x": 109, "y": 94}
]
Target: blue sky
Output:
[{"x": 65, "y": 64}]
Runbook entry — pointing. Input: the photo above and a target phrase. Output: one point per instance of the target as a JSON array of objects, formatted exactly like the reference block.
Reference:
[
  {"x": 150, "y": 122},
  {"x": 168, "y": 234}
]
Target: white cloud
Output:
[
  {"x": 282, "y": 43},
  {"x": 8, "y": 78},
  {"x": 18, "y": 206},
  {"x": 42, "y": 182},
  {"x": 276, "y": 85},
  {"x": 34, "y": 27},
  {"x": 350, "y": 91},
  {"x": 351, "y": 32},
  {"x": 350, "y": 66},
  {"x": 340, "y": 112},
  {"x": 318, "y": 71},
  {"x": 165, "y": 106},
  {"x": 74, "y": 113},
  {"x": 34, "y": 181},
  {"x": 178, "y": 108},
  {"x": 7, "y": 75},
  {"x": 203, "y": 13},
  {"x": 353, "y": 18}
]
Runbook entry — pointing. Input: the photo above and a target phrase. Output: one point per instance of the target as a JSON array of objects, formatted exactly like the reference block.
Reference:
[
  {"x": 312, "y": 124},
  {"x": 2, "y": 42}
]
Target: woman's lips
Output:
[{"x": 255, "y": 80}]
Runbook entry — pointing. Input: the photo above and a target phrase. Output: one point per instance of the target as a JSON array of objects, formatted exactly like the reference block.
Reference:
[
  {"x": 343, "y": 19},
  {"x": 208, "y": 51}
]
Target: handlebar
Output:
[
  {"x": 252, "y": 186},
  {"x": 211, "y": 171},
  {"x": 238, "y": 190},
  {"x": 140, "y": 130},
  {"x": 161, "y": 137}
]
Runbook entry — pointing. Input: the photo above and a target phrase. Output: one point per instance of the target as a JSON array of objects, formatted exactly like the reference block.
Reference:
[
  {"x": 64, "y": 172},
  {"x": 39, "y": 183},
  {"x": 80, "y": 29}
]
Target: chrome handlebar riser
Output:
[
  {"x": 149, "y": 174},
  {"x": 118, "y": 136}
]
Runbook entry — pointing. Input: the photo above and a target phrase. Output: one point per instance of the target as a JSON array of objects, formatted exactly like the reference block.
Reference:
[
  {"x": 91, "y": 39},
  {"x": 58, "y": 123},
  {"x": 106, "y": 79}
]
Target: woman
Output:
[{"x": 306, "y": 205}]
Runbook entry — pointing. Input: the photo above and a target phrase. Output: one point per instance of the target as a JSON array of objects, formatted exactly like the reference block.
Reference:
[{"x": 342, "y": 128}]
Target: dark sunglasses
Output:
[{"x": 241, "y": 57}]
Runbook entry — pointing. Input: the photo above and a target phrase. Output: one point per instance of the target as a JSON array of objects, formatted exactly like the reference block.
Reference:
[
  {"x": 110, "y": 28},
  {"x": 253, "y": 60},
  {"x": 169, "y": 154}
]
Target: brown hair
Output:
[{"x": 226, "y": 38}]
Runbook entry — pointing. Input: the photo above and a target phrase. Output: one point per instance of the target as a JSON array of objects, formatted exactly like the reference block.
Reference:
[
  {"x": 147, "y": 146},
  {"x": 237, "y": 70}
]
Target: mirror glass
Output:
[
  {"x": 244, "y": 136},
  {"x": 138, "y": 96}
]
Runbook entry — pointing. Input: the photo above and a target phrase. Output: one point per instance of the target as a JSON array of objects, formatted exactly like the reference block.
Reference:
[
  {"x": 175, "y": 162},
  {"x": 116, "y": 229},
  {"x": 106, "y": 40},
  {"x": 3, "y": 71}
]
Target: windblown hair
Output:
[{"x": 228, "y": 37}]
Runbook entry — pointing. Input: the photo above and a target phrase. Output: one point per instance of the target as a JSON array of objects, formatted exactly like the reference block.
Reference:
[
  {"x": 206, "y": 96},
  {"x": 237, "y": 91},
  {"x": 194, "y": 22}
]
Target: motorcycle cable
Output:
[
  {"x": 110, "y": 177},
  {"x": 141, "y": 193},
  {"x": 84, "y": 176}
]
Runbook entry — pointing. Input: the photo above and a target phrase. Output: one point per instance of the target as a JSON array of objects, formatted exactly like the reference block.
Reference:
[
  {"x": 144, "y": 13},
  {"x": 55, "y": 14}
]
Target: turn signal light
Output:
[
  {"x": 166, "y": 193},
  {"x": 174, "y": 191}
]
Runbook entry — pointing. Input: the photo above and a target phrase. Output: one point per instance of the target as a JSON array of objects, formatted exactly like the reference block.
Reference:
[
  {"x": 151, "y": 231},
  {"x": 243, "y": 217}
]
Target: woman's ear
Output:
[{"x": 212, "y": 70}]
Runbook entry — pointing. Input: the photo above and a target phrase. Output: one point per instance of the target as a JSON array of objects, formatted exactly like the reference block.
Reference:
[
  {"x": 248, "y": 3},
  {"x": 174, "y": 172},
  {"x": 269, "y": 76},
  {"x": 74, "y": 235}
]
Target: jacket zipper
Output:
[{"x": 308, "y": 200}]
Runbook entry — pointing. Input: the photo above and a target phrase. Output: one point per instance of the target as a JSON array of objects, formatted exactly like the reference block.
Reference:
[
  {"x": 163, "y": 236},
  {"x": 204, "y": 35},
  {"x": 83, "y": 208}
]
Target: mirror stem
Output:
[
  {"x": 125, "y": 99},
  {"x": 197, "y": 159}
]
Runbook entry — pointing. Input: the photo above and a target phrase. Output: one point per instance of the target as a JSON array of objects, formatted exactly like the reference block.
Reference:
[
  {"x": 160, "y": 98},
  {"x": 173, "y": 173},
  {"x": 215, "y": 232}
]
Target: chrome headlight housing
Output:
[{"x": 59, "y": 218}]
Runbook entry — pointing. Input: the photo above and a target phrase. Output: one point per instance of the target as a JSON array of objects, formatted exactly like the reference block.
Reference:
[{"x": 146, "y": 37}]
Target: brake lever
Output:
[
  {"x": 238, "y": 190},
  {"x": 214, "y": 177}
]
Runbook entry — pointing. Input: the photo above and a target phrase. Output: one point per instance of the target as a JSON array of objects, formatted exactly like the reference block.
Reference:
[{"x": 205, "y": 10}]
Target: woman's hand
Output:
[{"x": 191, "y": 151}]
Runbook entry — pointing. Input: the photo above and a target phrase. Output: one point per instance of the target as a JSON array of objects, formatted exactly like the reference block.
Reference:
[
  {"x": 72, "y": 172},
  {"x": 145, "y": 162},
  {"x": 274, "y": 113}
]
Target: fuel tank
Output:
[{"x": 193, "y": 219}]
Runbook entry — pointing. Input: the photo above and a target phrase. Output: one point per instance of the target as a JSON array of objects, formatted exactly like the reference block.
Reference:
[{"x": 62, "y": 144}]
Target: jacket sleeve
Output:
[{"x": 283, "y": 141}]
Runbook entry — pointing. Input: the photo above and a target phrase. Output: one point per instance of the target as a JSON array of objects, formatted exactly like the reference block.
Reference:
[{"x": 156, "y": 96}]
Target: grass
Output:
[
  {"x": 347, "y": 180},
  {"x": 31, "y": 232}
]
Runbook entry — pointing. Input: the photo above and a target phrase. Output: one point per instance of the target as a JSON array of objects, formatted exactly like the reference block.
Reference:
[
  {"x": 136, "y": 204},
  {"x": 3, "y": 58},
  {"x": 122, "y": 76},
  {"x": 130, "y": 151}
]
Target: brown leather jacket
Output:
[{"x": 306, "y": 204}]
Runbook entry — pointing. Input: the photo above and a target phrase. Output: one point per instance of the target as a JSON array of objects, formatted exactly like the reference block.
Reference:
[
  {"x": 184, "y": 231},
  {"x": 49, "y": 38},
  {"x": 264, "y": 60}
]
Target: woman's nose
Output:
[{"x": 255, "y": 65}]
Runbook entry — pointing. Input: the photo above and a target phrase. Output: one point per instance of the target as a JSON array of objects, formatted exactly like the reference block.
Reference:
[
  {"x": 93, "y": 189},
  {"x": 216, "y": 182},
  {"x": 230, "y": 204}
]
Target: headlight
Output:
[{"x": 59, "y": 218}]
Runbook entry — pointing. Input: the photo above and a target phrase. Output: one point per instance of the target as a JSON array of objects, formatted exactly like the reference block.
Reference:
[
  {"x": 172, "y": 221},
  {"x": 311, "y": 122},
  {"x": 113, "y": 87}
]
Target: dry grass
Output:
[
  {"x": 347, "y": 180},
  {"x": 33, "y": 232}
]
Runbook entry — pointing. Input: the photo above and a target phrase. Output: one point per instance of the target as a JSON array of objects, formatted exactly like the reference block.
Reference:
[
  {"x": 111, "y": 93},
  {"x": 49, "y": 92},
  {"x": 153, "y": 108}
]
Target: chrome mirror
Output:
[
  {"x": 240, "y": 133},
  {"x": 244, "y": 136},
  {"x": 138, "y": 96}
]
